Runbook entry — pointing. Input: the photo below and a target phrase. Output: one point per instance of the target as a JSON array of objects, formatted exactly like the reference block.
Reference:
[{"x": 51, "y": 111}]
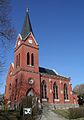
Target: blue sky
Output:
[{"x": 58, "y": 26}]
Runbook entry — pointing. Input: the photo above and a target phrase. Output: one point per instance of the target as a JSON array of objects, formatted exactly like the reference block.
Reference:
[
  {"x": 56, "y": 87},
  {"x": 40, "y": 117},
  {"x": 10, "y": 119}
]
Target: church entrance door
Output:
[{"x": 30, "y": 92}]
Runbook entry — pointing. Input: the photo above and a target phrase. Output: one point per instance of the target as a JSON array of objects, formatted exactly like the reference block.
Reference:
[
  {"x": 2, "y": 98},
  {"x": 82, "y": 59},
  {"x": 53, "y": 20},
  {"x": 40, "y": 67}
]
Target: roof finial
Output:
[
  {"x": 26, "y": 5},
  {"x": 27, "y": 10}
]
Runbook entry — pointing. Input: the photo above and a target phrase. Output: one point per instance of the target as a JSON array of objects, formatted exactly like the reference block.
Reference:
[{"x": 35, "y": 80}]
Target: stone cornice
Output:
[
  {"x": 22, "y": 69},
  {"x": 54, "y": 77},
  {"x": 42, "y": 74},
  {"x": 25, "y": 45}
]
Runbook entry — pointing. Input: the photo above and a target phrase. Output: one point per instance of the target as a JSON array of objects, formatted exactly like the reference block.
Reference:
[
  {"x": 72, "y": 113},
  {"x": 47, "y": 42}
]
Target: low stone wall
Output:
[{"x": 62, "y": 106}]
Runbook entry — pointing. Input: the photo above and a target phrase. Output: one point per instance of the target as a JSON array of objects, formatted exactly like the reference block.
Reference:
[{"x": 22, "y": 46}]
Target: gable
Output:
[
  {"x": 18, "y": 41},
  {"x": 11, "y": 69},
  {"x": 30, "y": 40}
]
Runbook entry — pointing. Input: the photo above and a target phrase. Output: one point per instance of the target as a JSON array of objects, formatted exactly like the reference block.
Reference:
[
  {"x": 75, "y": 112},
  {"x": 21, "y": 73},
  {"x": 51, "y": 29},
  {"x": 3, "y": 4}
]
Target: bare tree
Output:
[
  {"x": 6, "y": 30},
  {"x": 76, "y": 89},
  {"x": 79, "y": 89}
]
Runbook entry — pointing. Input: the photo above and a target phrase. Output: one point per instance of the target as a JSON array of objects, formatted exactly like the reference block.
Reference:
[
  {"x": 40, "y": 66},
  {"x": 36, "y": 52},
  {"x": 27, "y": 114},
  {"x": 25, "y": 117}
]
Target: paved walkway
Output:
[{"x": 50, "y": 115}]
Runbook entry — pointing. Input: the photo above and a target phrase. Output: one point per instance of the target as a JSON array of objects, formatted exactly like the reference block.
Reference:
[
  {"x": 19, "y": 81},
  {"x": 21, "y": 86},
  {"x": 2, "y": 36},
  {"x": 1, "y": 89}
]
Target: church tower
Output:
[
  {"x": 26, "y": 50},
  {"x": 26, "y": 67}
]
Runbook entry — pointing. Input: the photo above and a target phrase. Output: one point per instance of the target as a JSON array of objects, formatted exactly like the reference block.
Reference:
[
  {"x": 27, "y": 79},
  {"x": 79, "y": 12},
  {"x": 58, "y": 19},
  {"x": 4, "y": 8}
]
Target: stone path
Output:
[{"x": 50, "y": 115}]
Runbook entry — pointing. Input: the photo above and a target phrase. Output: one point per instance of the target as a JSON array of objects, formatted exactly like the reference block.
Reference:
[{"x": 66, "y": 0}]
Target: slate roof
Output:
[
  {"x": 27, "y": 28},
  {"x": 46, "y": 71}
]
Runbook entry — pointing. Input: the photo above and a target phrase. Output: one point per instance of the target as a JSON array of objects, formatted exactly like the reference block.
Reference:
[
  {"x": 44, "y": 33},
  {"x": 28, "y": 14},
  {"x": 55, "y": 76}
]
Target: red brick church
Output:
[{"x": 26, "y": 78}]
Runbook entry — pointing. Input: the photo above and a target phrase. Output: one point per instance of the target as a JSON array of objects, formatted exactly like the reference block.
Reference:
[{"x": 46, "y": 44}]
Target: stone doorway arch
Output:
[{"x": 30, "y": 92}]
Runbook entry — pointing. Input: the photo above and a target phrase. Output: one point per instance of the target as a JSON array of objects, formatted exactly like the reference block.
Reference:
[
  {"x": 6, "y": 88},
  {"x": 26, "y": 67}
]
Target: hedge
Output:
[{"x": 76, "y": 113}]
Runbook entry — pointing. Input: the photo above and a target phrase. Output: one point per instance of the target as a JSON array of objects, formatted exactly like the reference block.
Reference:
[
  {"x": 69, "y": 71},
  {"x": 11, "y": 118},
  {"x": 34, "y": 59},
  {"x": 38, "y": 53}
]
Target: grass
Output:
[
  {"x": 65, "y": 113},
  {"x": 79, "y": 119}
]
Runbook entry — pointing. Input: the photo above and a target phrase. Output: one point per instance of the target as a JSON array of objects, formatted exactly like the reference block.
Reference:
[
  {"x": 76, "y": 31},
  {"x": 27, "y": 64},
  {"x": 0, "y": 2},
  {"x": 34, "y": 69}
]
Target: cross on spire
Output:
[
  {"x": 26, "y": 9},
  {"x": 27, "y": 6}
]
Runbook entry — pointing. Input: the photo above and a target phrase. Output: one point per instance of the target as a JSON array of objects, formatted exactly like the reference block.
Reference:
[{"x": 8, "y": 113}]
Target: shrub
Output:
[{"x": 76, "y": 113}]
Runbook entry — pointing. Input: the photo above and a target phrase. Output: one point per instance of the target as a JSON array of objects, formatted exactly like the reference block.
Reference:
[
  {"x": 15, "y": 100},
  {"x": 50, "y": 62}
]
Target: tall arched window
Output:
[
  {"x": 9, "y": 86},
  {"x": 28, "y": 58},
  {"x": 65, "y": 92},
  {"x": 16, "y": 86},
  {"x": 32, "y": 59},
  {"x": 16, "y": 61},
  {"x": 16, "y": 83},
  {"x": 19, "y": 59},
  {"x": 55, "y": 91},
  {"x": 43, "y": 89}
]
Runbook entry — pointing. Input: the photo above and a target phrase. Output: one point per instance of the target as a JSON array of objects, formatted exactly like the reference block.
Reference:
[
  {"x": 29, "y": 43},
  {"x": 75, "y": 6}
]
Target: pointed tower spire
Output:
[{"x": 27, "y": 28}]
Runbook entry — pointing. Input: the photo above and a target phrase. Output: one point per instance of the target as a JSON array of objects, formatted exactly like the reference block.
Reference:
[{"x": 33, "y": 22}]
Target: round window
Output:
[{"x": 31, "y": 81}]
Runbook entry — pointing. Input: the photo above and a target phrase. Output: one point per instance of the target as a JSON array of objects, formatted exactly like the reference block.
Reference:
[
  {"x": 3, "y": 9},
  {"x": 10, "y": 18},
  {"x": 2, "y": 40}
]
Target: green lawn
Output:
[{"x": 65, "y": 113}]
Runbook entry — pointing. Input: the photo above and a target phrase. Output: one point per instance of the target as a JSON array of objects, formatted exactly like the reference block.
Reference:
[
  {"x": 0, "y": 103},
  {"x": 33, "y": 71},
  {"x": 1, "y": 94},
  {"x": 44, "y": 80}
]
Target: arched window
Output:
[
  {"x": 19, "y": 59},
  {"x": 10, "y": 86},
  {"x": 65, "y": 92},
  {"x": 16, "y": 61},
  {"x": 43, "y": 89},
  {"x": 16, "y": 86},
  {"x": 16, "y": 83},
  {"x": 28, "y": 58},
  {"x": 32, "y": 59},
  {"x": 55, "y": 91}
]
